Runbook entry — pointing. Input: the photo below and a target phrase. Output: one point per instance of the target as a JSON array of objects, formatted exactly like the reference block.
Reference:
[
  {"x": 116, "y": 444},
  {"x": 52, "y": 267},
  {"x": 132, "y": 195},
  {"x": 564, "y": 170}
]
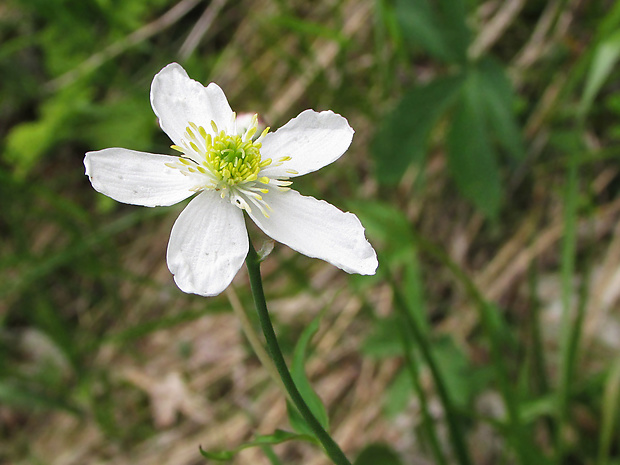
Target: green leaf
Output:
[
  {"x": 471, "y": 158},
  {"x": 403, "y": 134},
  {"x": 381, "y": 343},
  {"x": 605, "y": 58},
  {"x": 440, "y": 30},
  {"x": 610, "y": 411},
  {"x": 29, "y": 141},
  {"x": 454, "y": 27},
  {"x": 460, "y": 378},
  {"x": 398, "y": 394},
  {"x": 303, "y": 385},
  {"x": 414, "y": 292},
  {"x": 277, "y": 437},
  {"x": 497, "y": 96},
  {"x": 377, "y": 454},
  {"x": 18, "y": 395},
  {"x": 126, "y": 122}
]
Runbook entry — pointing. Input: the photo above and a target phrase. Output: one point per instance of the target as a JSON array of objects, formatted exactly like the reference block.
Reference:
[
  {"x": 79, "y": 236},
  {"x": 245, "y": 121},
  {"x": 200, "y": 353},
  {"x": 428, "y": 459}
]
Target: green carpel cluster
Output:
[{"x": 232, "y": 159}]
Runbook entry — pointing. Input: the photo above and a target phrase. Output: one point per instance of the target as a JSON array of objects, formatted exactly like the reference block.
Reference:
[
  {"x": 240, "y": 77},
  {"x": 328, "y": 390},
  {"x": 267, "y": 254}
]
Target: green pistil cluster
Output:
[{"x": 233, "y": 159}]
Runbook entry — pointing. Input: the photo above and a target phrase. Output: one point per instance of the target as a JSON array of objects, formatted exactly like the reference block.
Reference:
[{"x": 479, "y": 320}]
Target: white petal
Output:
[
  {"x": 312, "y": 140},
  {"x": 208, "y": 244},
  {"x": 137, "y": 178},
  {"x": 178, "y": 100},
  {"x": 317, "y": 229}
]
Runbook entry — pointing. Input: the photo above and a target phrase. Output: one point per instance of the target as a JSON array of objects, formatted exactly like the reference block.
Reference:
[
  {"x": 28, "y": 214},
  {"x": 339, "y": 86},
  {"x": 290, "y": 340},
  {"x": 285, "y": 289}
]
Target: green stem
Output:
[
  {"x": 520, "y": 441},
  {"x": 427, "y": 421},
  {"x": 331, "y": 448},
  {"x": 570, "y": 324},
  {"x": 456, "y": 435}
]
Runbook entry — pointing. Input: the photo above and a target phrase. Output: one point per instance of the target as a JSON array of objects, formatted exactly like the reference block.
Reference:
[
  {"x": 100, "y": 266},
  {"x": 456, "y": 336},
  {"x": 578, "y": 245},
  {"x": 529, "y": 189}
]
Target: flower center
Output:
[
  {"x": 229, "y": 163},
  {"x": 232, "y": 159},
  {"x": 229, "y": 160}
]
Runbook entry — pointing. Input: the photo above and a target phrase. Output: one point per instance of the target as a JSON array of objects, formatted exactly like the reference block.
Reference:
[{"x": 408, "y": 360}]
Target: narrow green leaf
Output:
[
  {"x": 378, "y": 454},
  {"x": 413, "y": 291},
  {"x": 497, "y": 96},
  {"x": 610, "y": 22},
  {"x": 403, "y": 134},
  {"x": 277, "y": 437},
  {"x": 471, "y": 158},
  {"x": 605, "y": 58},
  {"x": 270, "y": 454},
  {"x": 609, "y": 409},
  {"x": 303, "y": 385}
]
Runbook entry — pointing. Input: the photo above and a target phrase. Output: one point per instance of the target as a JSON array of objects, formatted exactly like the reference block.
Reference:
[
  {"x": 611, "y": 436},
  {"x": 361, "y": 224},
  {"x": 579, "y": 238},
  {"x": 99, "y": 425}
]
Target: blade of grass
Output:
[
  {"x": 411, "y": 326},
  {"x": 526, "y": 452},
  {"x": 609, "y": 409},
  {"x": 427, "y": 421},
  {"x": 567, "y": 271}
]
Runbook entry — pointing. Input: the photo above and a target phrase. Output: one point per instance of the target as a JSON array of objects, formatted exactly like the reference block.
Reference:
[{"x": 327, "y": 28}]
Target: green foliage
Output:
[
  {"x": 478, "y": 97},
  {"x": 462, "y": 379},
  {"x": 67, "y": 32},
  {"x": 66, "y": 263},
  {"x": 298, "y": 372},
  {"x": 381, "y": 342},
  {"x": 22, "y": 396},
  {"x": 496, "y": 97},
  {"x": 377, "y": 454},
  {"x": 28, "y": 142},
  {"x": 470, "y": 154},
  {"x": 481, "y": 108},
  {"x": 277, "y": 437},
  {"x": 398, "y": 394},
  {"x": 610, "y": 408},
  {"x": 403, "y": 135},
  {"x": 606, "y": 55},
  {"x": 438, "y": 27}
]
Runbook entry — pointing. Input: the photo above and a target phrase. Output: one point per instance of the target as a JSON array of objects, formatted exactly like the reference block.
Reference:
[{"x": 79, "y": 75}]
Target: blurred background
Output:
[{"x": 484, "y": 168}]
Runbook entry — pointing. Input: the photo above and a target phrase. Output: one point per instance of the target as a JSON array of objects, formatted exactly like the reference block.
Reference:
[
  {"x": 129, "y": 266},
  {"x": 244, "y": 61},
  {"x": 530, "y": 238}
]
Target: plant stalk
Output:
[{"x": 331, "y": 448}]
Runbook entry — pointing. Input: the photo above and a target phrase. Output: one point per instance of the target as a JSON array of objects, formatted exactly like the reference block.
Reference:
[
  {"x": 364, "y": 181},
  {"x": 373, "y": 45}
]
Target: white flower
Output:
[{"x": 232, "y": 171}]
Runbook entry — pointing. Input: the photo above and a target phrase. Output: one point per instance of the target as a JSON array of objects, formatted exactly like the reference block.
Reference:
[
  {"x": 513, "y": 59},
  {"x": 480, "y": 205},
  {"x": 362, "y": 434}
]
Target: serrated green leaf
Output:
[
  {"x": 497, "y": 96},
  {"x": 403, "y": 134},
  {"x": 439, "y": 31},
  {"x": 377, "y": 454},
  {"x": 471, "y": 158},
  {"x": 298, "y": 372},
  {"x": 277, "y": 437}
]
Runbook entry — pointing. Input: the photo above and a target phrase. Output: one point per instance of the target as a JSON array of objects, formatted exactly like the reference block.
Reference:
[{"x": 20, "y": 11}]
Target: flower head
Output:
[{"x": 232, "y": 170}]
